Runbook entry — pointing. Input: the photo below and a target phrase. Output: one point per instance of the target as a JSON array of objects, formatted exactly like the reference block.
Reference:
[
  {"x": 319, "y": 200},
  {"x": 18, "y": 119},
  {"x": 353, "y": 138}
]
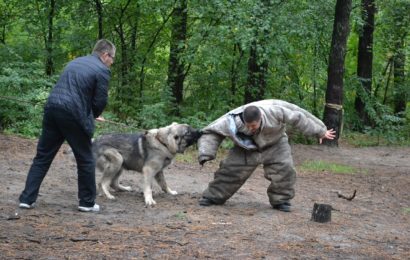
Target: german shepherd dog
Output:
[{"x": 148, "y": 153}]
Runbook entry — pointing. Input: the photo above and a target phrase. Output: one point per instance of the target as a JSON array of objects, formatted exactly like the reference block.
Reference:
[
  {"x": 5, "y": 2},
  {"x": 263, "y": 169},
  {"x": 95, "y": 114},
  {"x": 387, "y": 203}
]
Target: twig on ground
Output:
[
  {"x": 340, "y": 195},
  {"x": 81, "y": 239},
  {"x": 33, "y": 240},
  {"x": 183, "y": 243}
]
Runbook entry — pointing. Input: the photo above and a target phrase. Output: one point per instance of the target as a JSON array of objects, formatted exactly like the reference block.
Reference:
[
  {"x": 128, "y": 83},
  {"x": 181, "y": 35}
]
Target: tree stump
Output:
[{"x": 322, "y": 213}]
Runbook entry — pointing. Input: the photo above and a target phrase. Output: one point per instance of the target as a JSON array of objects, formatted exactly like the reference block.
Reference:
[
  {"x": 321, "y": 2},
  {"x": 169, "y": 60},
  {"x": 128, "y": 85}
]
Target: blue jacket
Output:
[{"x": 82, "y": 90}]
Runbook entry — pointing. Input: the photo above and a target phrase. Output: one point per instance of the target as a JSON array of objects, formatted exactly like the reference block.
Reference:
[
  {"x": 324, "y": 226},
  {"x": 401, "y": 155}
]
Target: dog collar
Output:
[{"x": 156, "y": 137}]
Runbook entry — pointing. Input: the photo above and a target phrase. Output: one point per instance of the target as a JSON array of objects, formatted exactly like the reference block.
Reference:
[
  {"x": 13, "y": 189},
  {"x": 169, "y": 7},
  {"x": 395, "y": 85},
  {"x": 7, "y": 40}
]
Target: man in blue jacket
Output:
[{"x": 78, "y": 98}]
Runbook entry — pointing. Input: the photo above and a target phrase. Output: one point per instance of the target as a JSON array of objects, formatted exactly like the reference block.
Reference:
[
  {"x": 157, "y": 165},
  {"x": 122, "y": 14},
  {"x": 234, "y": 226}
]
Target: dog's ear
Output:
[
  {"x": 166, "y": 137},
  {"x": 162, "y": 134}
]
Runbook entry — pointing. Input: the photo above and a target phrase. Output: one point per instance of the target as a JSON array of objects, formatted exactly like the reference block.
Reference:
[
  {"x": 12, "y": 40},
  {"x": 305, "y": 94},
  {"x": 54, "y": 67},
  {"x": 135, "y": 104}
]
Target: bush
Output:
[
  {"x": 154, "y": 116},
  {"x": 23, "y": 90}
]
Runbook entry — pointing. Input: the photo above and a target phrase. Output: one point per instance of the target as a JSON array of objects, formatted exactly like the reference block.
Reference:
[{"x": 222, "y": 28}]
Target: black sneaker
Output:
[
  {"x": 205, "y": 202},
  {"x": 285, "y": 207}
]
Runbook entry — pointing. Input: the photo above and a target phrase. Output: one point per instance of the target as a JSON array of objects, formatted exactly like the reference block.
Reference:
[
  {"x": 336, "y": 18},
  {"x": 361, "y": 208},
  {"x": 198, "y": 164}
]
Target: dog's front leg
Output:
[
  {"x": 160, "y": 178},
  {"x": 149, "y": 173}
]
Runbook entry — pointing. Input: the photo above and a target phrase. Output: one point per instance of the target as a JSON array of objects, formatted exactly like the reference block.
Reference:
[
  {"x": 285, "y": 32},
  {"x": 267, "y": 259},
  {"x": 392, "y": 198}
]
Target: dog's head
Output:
[{"x": 178, "y": 137}]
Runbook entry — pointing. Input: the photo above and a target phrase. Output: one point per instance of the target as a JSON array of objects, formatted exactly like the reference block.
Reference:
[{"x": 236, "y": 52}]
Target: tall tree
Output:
[
  {"x": 99, "y": 9},
  {"x": 365, "y": 60},
  {"x": 121, "y": 30},
  {"x": 401, "y": 21},
  {"x": 257, "y": 70},
  {"x": 400, "y": 89},
  {"x": 333, "y": 112},
  {"x": 234, "y": 68},
  {"x": 124, "y": 22},
  {"x": 394, "y": 27},
  {"x": 176, "y": 65},
  {"x": 48, "y": 39},
  {"x": 258, "y": 61}
]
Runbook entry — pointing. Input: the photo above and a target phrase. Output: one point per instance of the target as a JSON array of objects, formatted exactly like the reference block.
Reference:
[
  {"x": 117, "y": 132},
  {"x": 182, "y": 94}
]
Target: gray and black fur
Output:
[{"x": 148, "y": 153}]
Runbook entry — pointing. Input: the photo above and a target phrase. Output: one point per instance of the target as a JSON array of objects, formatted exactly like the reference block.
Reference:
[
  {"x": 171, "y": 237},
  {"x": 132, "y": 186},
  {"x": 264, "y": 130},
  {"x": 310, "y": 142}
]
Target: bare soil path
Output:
[{"x": 374, "y": 225}]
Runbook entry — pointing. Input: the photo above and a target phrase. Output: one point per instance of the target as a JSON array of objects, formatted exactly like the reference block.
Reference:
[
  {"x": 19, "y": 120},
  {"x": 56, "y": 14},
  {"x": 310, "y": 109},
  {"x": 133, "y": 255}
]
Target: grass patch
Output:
[
  {"x": 321, "y": 166},
  {"x": 189, "y": 156},
  {"x": 357, "y": 139},
  {"x": 406, "y": 210},
  {"x": 180, "y": 215}
]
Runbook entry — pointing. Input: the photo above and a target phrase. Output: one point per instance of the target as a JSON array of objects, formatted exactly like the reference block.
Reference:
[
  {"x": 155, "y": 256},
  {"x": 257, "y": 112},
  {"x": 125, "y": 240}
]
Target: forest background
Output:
[{"x": 191, "y": 61}]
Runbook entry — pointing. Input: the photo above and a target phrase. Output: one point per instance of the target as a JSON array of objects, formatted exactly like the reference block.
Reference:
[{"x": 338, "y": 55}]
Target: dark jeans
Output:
[{"x": 58, "y": 126}]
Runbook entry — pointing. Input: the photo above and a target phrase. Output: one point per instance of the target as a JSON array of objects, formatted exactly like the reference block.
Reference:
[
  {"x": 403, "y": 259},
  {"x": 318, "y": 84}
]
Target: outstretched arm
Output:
[{"x": 330, "y": 134}]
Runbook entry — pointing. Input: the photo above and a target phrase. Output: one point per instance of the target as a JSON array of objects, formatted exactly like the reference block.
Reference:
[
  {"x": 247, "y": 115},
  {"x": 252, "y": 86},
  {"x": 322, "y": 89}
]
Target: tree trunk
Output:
[
  {"x": 233, "y": 72},
  {"x": 365, "y": 61},
  {"x": 176, "y": 65},
  {"x": 315, "y": 85},
  {"x": 333, "y": 113},
  {"x": 257, "y": 69},
  {"x": 98, "y": 7},
  {"x": 49, "y": 40},
  {"x": 124, "y": 90},
  {"x": 134, "y": 31},
  {"x": 3, "y": 35},
  {"x": 257, "y": 64},
  {"x": 124, "y": 55},
  {"x": 234, "y": 69},
  {"x": 150, "y": 48},
  {"x": 400, "y": 91}
]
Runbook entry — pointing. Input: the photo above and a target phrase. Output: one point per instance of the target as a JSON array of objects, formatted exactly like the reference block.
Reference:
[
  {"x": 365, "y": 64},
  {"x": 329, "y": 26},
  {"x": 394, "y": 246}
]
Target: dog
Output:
[{"x": 148, "y": 153}]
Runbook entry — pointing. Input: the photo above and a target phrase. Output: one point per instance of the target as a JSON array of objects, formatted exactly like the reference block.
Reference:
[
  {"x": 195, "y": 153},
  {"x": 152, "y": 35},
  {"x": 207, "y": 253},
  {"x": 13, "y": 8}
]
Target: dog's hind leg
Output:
[
  {"x": 115, "y": 183},
  {"x": 112, "y": 164},
  {"x": 160, "y": 178}
]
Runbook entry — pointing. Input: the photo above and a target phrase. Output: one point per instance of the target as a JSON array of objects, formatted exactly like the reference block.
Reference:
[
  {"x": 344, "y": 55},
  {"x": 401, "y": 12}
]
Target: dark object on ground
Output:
[{"x": 322, "y": 213}]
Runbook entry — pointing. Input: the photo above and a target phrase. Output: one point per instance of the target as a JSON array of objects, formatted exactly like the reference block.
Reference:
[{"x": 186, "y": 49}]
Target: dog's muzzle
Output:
[{"x": 192, "y": 136}]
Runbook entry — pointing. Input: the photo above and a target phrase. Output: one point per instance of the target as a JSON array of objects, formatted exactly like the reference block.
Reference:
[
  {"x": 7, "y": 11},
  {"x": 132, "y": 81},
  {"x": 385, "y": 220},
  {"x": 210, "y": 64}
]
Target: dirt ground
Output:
[{"x": 374, "y": 225}]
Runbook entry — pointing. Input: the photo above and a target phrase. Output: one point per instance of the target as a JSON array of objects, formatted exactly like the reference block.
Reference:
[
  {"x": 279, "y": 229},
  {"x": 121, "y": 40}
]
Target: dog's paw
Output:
[
  {"x": 122, "y": 188},
  {"x": 172, "y": 192},
  {"x": 127, "y": 188},
  {"x": 110, "y": 197},
  {"x": 150, "y": 201}
]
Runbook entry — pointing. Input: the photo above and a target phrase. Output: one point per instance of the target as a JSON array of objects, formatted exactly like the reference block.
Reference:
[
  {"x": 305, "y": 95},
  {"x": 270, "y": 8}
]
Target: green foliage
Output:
[
  {"x": 292, "y": 36},
  {"x": 323, "y": 166},
  {"x": 180, "y": 215},
  {"x": 154, "y": 116},
  {"x": 23, "y": 91},
  {"x": 189, "y": 156},
  {"x": 387, "y": 128}
]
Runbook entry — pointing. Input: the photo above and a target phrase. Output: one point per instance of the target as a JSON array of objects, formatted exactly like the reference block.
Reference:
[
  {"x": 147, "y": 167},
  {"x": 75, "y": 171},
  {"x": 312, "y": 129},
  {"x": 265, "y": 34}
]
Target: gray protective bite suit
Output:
[{"x": 269, "y": 147}]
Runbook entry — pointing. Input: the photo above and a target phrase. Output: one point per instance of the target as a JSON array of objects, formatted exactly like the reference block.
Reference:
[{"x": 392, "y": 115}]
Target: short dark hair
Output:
[
  {"x": 104, "y": 45},
  {"x": 251, "y": 114}
]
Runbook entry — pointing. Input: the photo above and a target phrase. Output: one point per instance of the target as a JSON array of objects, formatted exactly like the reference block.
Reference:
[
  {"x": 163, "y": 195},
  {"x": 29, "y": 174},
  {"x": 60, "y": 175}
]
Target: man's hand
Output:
[
  {"x": 100, "y": 119},
  {"x": 330, "y": 134}
]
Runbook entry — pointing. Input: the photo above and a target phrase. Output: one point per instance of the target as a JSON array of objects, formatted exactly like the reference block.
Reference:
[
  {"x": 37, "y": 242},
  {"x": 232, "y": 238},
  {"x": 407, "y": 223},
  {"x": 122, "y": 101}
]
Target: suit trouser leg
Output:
[
  {"x": 48, "y": 145},
  {"x": 232, "y": 173},
  {"x": 279, "y": 169}
]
